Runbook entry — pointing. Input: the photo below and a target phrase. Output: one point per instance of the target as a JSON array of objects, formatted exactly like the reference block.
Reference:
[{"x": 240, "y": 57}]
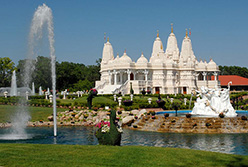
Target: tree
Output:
[
  {"x": 6, "y": 69},
  {"x": 69, "y": 73},
  {"x": 82, "y": 85},
  {"x": 234, "y": 70},
  {"x": 39, "y": 72},
  {"x": 42, "y": 75}
]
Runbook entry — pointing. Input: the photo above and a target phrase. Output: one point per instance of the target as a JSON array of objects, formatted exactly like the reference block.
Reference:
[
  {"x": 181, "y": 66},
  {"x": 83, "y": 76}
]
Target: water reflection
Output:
[{"x": 225, "y": 143}]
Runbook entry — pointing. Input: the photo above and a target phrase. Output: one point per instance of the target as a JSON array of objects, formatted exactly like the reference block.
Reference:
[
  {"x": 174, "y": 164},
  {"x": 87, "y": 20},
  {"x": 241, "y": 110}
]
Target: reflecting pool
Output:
[{"x": 225, "y": 143}]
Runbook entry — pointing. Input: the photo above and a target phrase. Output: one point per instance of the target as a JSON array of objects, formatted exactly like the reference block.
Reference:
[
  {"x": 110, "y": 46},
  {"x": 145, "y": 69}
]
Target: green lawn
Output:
[
  {"x": 78, "y": 155},
  {"x": 37, "y": 113}
]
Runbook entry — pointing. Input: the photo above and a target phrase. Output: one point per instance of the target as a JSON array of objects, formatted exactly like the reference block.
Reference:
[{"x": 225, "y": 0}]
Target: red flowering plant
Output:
[{"x": 104, "y": 126}]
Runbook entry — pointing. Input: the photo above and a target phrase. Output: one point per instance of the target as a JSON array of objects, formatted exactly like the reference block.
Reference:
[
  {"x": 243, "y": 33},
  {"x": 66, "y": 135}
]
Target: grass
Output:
[
  {"x": 37, "y": 113},
  {"x": 91, "y": 156}
]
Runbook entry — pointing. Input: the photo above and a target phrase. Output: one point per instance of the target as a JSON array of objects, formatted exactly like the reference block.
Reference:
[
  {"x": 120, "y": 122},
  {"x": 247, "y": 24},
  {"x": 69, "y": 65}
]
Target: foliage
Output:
[
  {"x": 82, "y": 85},
  {"x": 6, "y": 69},
  {"x": 234, "y": 70},
  {"x": 108, "y": 134},
  {"x": 73, "y": 76}
]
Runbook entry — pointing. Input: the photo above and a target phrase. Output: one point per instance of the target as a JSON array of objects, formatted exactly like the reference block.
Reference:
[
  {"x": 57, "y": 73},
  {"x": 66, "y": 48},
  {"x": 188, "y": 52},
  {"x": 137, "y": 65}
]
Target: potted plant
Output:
[
  {"x": 143, "y": 92},
  {"x": 127, "y": 102},
  {"x": 221, "y": 115},
  {"x": 152, "y": 113},
  {"x": 188, "y": 115},
  {"x": 119, "y": 112},
  {"x": 160, "y": 102},
  {"x": 148, "y": 92},
  {"x": 166, "y": 115},
  {"x": 244, "y": 118}
]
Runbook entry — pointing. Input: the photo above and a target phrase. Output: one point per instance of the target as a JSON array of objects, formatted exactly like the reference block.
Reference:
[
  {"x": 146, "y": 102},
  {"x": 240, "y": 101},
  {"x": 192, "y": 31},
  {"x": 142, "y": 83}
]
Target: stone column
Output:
[
  {"x": 215, "y": 76},
  {"x": 128, "y": 75},
  {"x": 121, "y": 77},
  {"x": 109, "y": 77},
  {"x": 115, "y": 77},
  {"x": 204, "y": 76}
]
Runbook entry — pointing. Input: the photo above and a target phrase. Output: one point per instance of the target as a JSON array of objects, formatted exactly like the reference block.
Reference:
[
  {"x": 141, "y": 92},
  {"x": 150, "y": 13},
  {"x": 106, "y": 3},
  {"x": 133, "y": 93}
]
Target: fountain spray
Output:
[{"x": 42, "y": 17}]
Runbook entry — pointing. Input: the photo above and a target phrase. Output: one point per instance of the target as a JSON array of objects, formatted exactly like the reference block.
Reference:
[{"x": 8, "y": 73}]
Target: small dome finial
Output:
[
  {"x": 171, "y": 27},
  {"x": 125, "y": 51},
  {"x": 186, "y": 32},
  {"x": 157, "y": 33},
  {"x": 108, "y": 39}
]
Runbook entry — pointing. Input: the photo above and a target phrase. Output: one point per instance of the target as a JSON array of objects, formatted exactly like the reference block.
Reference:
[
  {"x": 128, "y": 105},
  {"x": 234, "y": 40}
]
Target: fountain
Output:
[
  {"x": 42, "y": 17},
  {"x": 13, "y": 90},
  {"x": 212, "y": 102},
  {"x": 33, "y": 90},
  {"x": 40, "y": 91}
]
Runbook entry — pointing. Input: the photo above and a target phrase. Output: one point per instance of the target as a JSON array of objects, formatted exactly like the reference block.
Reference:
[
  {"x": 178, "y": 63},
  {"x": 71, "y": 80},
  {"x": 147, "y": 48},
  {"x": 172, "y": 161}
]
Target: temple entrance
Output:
[
  {"x": 157, "y": 90},
  {"x": 131, "y": 76},
  {"x": 184, "y": 90}
]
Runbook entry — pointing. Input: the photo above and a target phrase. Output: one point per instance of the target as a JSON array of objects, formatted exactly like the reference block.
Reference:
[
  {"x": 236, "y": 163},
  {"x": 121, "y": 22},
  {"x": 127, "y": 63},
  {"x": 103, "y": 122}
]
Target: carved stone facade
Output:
[{"x": 167, "y": 71}]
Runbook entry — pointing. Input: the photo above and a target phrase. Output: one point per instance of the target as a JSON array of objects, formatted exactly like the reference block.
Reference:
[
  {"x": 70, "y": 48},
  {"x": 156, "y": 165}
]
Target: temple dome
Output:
[
  {"x": 201, "y": 66},
  {"x": 125, "y": 59},
  {"x": 142, "y": 60},
  {"x": 107, "y": 53},
  {"x": 157, "y": 46},
  {"x": 116, "y": 60},
  {"x": 212, "y": 66},
  {"x": 187, "y": 51},
  {"x": 172, "y": 47}
]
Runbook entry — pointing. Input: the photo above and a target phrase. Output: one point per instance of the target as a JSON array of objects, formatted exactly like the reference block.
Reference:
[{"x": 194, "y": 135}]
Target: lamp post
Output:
[
  {"x": 149, "y": 100},
  {"x": 119, "y": 100},
  {"x": 5, "y": 94}
]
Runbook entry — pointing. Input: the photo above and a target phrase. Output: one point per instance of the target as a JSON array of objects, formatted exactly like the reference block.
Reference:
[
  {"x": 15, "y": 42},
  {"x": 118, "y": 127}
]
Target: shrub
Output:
[
  {"x": 166, "y": 115},
  {"x": 188, "y": 115}
]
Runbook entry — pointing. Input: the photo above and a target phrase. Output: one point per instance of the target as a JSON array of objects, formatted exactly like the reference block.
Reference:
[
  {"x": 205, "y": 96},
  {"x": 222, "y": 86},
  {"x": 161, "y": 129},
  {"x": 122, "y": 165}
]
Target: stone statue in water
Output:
[{"x": 212, "y": 102}]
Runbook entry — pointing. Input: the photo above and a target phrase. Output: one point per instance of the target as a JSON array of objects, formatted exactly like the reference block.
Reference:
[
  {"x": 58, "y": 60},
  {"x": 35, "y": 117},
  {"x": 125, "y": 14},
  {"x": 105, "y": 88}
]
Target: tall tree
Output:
[
  {"x": 7, "y": 66},
  {"x": 234, "y": 70}
]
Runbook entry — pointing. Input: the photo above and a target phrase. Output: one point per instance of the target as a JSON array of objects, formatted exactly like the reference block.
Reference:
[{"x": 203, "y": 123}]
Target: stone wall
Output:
[{"x": 191, "y": 125}]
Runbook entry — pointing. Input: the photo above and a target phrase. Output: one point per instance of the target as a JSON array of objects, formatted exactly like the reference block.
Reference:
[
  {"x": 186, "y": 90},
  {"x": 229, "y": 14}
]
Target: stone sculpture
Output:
[{"x": 212, "y": 102}]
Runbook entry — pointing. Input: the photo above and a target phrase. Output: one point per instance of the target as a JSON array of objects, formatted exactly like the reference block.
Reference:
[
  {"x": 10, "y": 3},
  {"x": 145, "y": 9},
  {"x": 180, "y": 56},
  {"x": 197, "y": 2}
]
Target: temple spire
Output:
[
  {"x": 157, "y": 33},
  {"x": 171, "y": 27},
  {"x": 108, "y": 39},
  {"x": 186, "y": 32}
]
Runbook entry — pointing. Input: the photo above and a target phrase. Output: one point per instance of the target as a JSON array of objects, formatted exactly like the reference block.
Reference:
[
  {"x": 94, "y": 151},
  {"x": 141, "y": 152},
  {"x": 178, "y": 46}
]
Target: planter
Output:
[
  {"x": 221, "y": 115},
  {"x": 244, "y": 118},
  {"x": 188, "y": 115},
  {"x": 127, "y": 103},
  {"x": 160, "y": 103},
  {"x": 166, "y": 115}
]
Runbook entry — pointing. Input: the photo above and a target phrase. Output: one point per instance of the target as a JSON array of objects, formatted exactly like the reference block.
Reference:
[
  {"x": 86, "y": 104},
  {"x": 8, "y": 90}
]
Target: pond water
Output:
[{"x": 225, "y": 143}]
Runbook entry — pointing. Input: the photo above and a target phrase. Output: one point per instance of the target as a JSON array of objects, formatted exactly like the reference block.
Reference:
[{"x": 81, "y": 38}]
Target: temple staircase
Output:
[{"x": 108, "y": 89}]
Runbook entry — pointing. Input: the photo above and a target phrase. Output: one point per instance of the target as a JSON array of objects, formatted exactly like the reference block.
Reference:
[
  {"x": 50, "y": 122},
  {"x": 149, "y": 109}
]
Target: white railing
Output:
[
  {"x": 100, "y": 86},
  {"x": 117, "y": 90}
]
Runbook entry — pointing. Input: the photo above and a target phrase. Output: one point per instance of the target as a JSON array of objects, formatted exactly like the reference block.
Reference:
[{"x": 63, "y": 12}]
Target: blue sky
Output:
[{"x": 219, "y": 27}]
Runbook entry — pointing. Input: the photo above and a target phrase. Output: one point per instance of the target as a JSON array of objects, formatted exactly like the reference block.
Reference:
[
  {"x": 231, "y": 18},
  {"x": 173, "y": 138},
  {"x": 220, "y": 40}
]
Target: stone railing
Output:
[
  {"x": 100, "y": 86},
  {"x": 122, "y": 87}
]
